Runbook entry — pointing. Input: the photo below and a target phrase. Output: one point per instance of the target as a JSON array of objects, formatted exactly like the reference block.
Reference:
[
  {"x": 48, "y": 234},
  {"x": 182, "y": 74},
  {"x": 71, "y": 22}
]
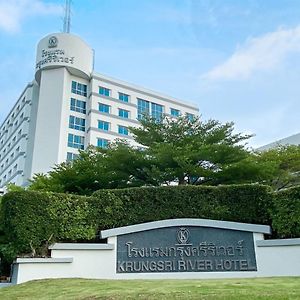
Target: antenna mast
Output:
[{"x": 67, "y": 18}]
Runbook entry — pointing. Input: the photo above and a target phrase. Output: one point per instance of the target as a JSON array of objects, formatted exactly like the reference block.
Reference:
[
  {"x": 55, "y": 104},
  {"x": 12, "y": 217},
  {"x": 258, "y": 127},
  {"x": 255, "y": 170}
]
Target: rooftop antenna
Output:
[{"x": 67, "y": 18}]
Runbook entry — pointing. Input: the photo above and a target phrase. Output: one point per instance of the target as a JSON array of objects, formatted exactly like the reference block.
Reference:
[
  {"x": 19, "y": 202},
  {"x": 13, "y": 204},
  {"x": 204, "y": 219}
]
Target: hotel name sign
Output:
[
  {"x": 186, "y": 249},
  {"x": 54, "y": 55}
]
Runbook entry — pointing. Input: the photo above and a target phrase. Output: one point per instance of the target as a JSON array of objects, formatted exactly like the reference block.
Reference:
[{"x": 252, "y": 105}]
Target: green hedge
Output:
[
  {"x": 32, "y": 220},
  {"x": 286, "y": 213},
  {"x": 241, "y": 203}
]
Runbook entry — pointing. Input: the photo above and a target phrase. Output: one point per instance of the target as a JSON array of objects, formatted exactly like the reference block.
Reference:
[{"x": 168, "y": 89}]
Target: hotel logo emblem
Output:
[
  {"x": 183, "y": 235},
  {"x": 52, "y": 43}
]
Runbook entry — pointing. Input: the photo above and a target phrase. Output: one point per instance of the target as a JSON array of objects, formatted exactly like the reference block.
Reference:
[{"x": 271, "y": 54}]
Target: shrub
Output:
[
  {"x": 240, "y": 203},
  {"x": 286, "y": 213},
  {"x": 32, "y": 220}
]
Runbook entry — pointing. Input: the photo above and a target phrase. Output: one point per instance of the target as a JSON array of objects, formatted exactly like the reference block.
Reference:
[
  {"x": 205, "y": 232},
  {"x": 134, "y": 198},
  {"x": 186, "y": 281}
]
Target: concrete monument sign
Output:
[{"x": 174, "y": 249}]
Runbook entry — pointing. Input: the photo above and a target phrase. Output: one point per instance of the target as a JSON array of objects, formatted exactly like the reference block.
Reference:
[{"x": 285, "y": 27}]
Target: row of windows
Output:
[
  {"x": 143, "y": 105},
  {"x": 12, "y": 127},
  {"x": 102, "y": 143},
  {"x": 107, "y": 93},
  {"x": 155, "y": 110},
  {"x": 123, "y": 113},
  {"x": 9, "y": 159},
  {"x": 7, "y": 149},
  {"x": 103, "y": 125},
  {"x": 9, "y": 174},
  {"x": 11, "y": 121}
]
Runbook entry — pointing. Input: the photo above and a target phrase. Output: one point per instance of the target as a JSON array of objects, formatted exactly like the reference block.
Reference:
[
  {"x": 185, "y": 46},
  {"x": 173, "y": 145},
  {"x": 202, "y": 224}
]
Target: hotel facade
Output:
[{"x": 68, "y": 106}]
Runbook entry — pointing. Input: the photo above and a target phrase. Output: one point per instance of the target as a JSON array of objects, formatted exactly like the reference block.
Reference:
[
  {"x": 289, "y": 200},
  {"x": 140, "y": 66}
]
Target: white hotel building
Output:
[{"x": 67, "y": 107}]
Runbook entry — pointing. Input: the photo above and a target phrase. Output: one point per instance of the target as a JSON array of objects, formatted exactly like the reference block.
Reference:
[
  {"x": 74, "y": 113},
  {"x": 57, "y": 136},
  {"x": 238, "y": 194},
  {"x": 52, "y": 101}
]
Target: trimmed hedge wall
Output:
[
  {"x": 32, "y": 220},
  {"x": 286, "y": 213},
  {"x": 240, "y": 203}
]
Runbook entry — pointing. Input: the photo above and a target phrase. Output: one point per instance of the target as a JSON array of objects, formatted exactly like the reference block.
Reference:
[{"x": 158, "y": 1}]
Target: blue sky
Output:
[{"x": 237, "y": 60}]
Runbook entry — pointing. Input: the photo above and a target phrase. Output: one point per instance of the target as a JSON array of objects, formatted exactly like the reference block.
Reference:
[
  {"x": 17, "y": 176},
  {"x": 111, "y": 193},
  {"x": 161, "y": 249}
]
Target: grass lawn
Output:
[{"x": 258, "y": 288}]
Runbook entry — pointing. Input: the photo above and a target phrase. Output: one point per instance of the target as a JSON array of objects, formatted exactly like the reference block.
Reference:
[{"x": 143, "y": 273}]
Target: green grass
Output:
[{"x": 258, "y": 288}]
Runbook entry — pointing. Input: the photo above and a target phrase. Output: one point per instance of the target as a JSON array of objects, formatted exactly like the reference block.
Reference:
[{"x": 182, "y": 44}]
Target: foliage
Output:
[
  {"x": 286, "y": 212},
  {"x": 177, "y": 150},
  {"x": 241, "y": 203},
  {"x": 283, "y": 169},
  {"x": 116, "y": 167},
  {"x": 31, "y": 220},
  {"x": 194, "y": 151}
]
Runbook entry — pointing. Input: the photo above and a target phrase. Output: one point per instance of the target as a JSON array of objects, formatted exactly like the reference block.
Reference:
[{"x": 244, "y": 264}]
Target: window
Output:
[
  {"x": 156, "y": 111},
  {"x": 77, "y": 123},
  {"x": 102, "y": 143},
  {"x": 75, "y": 141},
  {"x": 123, "y": 113},
  {"x": 104, "y": 108},
  {"x": 78, "y": 105},
  {"x": 122, "y": 130},
  {"x": 175, "y": 112},
  {"x": 190, "y": 116},
  {"x": 143, "y": 108},
  {"x": 15, "y": 168},
  {"x": 103, "y": 125},
  {"x": 79, "y": 88},
  {"x": 104, "y": 91},
  {"x": 123, "y": 97},
  {"x": 71, "y": 156}
]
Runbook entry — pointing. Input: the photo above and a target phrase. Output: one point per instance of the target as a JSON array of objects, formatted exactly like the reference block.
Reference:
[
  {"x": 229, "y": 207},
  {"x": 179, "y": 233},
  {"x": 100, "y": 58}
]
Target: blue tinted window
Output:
[
  {"x": 156, "y": 111},
  {"x": 175, "y": 112},
  {"x": 103, "y": 125},
  {"x": 104, "y": 108},
  {"x": 102, "y": 143},
  {"x": 71, "y": 156},
  {"x": 123, "y": 113},
  {"x": 78, "y": 105},
  {"x": 77, "y": 123},
  {"x": 79, "y": 88},
  {"x": 104, "y": 91},
  {"x": 75, "y": 141},
  {"x": 123, "y": 97},
  {"x": 143, "y": 108},
  {"x": 190, "y": 116},
  {"x": 122, "y": 130}
]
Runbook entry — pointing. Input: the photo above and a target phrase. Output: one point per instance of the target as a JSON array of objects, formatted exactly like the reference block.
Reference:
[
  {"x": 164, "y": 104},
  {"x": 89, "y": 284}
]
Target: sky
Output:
[{"x": 236, "y": 60}]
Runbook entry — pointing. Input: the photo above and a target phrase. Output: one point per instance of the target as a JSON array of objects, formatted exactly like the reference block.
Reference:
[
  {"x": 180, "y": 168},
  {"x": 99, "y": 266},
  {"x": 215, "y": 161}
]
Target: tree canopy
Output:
[{"x": 172, "y": 151}]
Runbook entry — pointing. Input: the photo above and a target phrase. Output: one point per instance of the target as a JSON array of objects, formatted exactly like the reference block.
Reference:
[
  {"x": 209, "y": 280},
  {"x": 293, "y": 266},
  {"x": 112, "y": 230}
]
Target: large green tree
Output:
[
  {"x": 196, "y": 152},
  {"x": 283, "y": 166},
  {"x": 172, "y": 151}
]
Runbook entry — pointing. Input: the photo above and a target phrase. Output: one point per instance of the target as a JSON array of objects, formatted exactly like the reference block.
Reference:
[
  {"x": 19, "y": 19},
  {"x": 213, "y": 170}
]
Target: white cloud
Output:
[
  {"x": 257, "y": 54},
  {"x": 13, "y": 12}
]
